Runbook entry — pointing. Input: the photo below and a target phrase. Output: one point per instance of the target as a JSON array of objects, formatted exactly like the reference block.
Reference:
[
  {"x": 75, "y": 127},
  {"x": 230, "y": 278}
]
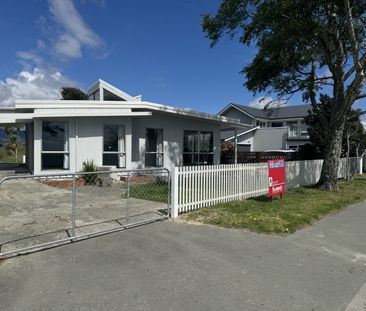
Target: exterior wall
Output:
[
  {"x": 273, "y": 138},
  {"x": 86, "y": 139},
  {"x": 173, "y": 130},
  {"x": 247, "y": 139},
  {"x": 236, "y": 114}
]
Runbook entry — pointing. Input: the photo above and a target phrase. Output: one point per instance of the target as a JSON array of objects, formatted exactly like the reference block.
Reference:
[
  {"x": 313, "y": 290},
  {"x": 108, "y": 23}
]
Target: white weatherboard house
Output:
[{"x": 115, "y": 130}]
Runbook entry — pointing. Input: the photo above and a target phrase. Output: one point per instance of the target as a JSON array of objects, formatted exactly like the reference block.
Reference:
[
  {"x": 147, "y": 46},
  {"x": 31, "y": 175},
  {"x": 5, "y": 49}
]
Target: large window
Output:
[
  {"x": 198, "y": 148},
  {"x": 154, "y": 152},
  {"x": 55, "y": 145},
  {"x": 114, "y": 146}
]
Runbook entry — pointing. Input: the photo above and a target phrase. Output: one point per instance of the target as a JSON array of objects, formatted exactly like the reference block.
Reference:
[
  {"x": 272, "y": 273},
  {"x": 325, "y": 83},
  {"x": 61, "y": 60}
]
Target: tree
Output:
[
  {"x": 353, "y": 135},
  {"x": 72, "y": 93},
  {"x": 313, "y": 47},
  {"x": 11, "y": 145}
]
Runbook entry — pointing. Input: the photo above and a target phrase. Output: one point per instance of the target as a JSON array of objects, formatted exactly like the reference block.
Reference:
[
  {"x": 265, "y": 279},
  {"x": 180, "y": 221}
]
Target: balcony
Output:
[{"x": 298, "y": 132}]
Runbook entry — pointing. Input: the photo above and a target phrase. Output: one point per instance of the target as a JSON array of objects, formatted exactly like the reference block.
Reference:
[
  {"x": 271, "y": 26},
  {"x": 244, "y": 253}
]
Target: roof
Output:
[
  {"x": 283, "y": 112},
  {"x": 29, "y": 109},
  {"x": 230, "y": 134},
  {"x": 109, "y": 88}
]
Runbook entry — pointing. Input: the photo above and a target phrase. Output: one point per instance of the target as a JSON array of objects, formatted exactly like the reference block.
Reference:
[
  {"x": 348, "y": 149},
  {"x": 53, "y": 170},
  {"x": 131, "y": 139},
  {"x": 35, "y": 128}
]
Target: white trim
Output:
[
  {"x": 101, "y": 84},
  {"x": 246, "y": 132}
]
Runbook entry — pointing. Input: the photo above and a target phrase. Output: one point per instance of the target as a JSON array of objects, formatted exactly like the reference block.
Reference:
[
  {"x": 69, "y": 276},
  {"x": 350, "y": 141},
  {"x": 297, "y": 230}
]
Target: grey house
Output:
[{"x": 280, "y": 128}]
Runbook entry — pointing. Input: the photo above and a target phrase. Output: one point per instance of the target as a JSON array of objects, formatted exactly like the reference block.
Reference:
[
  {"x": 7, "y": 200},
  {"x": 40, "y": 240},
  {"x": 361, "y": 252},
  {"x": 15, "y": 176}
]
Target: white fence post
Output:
[
  {"x": 174, "y": 189},
  {"x": 361, "y": 165}
]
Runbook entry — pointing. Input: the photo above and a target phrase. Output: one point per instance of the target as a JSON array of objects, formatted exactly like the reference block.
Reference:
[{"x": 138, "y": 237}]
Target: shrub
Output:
[{"x": 88, "y": 167}]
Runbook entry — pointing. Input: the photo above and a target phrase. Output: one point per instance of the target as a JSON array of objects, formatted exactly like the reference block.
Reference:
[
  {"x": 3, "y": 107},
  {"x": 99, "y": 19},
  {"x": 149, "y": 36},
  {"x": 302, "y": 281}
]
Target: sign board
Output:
[{"x": 276, "y": 177}]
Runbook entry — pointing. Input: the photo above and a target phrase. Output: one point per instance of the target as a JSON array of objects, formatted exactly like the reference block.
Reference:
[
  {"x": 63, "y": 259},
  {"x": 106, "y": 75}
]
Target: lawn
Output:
[
  {"x": 300, "y": 207},
  {"x": 157, "y": 192},
  {"x": 6, "y": 158}
]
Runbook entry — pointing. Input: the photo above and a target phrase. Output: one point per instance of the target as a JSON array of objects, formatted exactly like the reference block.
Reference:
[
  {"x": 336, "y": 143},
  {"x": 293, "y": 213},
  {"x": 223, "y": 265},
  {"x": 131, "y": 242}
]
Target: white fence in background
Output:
[{"x": 195, "y": 187}]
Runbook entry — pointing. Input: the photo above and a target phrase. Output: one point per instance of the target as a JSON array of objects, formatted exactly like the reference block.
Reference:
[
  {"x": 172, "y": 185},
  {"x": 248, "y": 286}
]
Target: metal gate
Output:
[{"x": 42, "y": 211}]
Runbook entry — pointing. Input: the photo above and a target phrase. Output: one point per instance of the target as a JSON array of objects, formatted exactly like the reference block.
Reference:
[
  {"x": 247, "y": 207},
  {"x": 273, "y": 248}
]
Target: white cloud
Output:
[
  {"x": 75, "y": 33},
  {"x": 35, "y": 84}
]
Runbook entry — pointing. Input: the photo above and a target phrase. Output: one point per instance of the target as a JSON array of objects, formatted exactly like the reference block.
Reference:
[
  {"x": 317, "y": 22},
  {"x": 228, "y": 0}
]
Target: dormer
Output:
[{"x": 102, "y": 90}]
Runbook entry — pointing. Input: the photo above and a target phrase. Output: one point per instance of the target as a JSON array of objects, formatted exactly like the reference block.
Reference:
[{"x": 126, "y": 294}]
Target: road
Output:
[{"x": 177, "y": 266}]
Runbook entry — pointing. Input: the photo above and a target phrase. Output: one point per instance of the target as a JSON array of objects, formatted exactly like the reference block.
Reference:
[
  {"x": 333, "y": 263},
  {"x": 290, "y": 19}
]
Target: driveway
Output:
[
  {"x": 32, "y": 212},
  {"x": 177, "y": 266}
]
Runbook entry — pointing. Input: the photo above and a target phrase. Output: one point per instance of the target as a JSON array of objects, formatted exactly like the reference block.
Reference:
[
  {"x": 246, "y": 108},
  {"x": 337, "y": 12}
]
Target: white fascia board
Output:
[
  {"x": 246, "y": 132},
  {"x": 11, "y": 118},
  {"x": 90, "y": 113},
  {"x": 57, "y": 104}
]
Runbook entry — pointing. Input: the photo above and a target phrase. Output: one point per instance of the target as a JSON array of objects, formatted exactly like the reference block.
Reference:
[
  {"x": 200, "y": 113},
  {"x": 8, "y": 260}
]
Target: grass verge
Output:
[{"x": 300, "y": 207}]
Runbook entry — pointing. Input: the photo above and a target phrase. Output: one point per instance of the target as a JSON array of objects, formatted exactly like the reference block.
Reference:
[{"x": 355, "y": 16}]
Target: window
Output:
[
  {"x": 114, "y": 146},
  {"x": 154, "y": 152},
  {"x": 55, "y": 145},
  {"x": 277, "y": 124},
  {"x": 198, "y": 148},
  {"x": 261, "y": 123},
  {"x": 293, "y": 147}
]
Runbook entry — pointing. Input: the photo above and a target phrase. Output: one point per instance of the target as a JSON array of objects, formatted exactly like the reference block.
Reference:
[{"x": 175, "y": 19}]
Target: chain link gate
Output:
[{"x": 42, "y": 211}]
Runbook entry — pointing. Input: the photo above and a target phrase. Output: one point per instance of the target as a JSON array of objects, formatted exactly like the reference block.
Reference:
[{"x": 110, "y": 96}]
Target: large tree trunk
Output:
[{"x": 332, "y": 154}]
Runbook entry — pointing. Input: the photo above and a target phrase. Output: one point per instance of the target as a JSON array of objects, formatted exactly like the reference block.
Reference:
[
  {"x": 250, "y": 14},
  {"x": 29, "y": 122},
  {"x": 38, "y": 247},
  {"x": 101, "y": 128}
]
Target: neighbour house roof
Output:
[
  {"x": 228, "y": 135},
  {"x": 283, "y": 112}
]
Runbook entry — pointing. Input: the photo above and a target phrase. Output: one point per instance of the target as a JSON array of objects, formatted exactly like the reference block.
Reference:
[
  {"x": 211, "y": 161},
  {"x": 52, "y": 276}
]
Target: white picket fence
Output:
[{"x": 195, "y": 187}]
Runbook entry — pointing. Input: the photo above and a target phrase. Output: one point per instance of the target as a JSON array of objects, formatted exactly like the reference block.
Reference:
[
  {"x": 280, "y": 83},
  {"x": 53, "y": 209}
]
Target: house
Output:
[
  {"x": 279, "y": 128},
  {"x": 115, "y": 130}
]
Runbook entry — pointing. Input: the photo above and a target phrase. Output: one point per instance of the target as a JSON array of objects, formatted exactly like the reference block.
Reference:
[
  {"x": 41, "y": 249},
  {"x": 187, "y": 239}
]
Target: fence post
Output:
[
  {"x": 73, "y": 207},
  {"x": 361, "y": 165},
  {"x": 174, "y": 194}
]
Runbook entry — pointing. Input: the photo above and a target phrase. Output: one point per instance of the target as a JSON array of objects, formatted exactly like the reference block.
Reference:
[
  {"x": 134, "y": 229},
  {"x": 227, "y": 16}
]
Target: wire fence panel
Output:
[{"x": 46, "y": 210}]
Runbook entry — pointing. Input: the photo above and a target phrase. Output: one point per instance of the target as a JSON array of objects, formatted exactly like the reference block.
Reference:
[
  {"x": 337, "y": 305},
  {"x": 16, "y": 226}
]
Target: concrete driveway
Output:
[{"x": 175, "y": 266}]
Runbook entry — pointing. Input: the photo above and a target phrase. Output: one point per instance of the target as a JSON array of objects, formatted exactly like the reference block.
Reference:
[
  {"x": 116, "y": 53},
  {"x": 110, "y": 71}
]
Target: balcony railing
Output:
[{"x": 298, "y": 132}]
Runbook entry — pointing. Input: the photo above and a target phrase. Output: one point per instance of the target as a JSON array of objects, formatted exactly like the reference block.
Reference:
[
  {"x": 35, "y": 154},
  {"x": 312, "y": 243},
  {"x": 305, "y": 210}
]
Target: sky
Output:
[{"x": 154, "y": 48}]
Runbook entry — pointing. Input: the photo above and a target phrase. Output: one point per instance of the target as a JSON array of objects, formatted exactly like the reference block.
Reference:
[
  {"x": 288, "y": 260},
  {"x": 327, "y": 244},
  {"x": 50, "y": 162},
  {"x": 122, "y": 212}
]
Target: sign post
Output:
[{"x": 276, "y": 177}]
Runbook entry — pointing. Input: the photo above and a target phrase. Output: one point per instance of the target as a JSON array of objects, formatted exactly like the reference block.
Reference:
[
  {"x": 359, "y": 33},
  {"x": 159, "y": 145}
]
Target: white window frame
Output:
[
  {"x": 121, "y": 145},
  {"x": 66, "y": 152},
  {"x": 159, "y": 154},
  {"x": 198, "y": 152}
]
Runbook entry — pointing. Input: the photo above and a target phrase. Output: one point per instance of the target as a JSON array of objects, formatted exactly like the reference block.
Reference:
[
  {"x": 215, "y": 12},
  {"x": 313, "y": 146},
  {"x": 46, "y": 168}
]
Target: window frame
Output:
[
  {"x": 119, "y": 138},
  {"x": 157, "y": 153},
  {"x": 63, "y": 152},
  {"x": 196, "y": 150}
]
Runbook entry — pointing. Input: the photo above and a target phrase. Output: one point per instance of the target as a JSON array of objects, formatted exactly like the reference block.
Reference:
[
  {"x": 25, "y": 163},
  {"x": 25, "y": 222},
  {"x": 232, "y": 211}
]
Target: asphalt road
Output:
[{"x": 175, "y": 266}]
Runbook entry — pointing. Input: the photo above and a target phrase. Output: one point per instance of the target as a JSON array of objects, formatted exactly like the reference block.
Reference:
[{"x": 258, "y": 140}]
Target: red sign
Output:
[{"x": 276, "y": 177}]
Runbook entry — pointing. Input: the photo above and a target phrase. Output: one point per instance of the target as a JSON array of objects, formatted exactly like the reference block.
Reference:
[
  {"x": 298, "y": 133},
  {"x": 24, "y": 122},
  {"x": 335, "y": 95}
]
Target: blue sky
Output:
[{"x": 154, "y": 48}]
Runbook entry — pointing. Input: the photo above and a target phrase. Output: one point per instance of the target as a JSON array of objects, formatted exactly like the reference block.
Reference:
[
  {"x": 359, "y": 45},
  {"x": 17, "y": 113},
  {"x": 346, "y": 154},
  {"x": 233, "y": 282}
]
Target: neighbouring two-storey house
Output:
[{"x": 278, "y": 128}]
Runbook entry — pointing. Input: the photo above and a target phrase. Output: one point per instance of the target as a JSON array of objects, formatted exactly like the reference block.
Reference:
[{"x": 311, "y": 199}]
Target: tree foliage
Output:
[
  {"x": 11, "y": 145},
  {"x": 313, "y": 47},
  {"x": 72, "y": 93},
  {"x": 354, "y": 135}
]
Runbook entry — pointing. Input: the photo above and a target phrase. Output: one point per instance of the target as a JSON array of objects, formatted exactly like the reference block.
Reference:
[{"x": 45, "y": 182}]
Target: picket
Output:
[{"x": 202, "y": 186}]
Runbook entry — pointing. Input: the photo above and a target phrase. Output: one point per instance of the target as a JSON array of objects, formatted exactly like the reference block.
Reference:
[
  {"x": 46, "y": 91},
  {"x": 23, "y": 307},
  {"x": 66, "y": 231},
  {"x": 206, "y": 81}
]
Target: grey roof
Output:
[
  {"x": 283, "y": 112},
  {"x": 225, "y": 134}
]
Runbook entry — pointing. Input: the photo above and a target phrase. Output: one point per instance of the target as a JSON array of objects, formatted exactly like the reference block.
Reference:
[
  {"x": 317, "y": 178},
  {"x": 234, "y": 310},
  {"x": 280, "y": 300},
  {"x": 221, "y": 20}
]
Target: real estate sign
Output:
[{"x": 276, "y": 177}]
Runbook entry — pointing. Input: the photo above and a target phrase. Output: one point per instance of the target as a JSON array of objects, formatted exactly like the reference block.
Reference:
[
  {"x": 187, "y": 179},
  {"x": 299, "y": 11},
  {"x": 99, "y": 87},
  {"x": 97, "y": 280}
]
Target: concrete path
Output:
[{"x": 174, "y": 266}]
